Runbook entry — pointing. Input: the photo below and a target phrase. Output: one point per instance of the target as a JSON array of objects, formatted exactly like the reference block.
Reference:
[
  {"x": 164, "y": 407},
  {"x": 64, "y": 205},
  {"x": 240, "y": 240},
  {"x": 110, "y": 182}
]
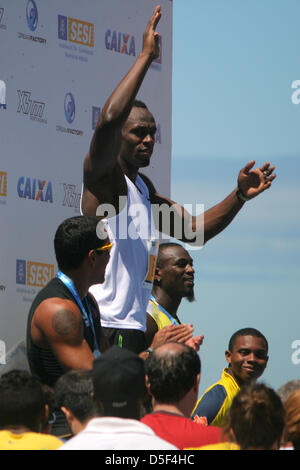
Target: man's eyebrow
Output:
[{"x": 187, "y": 260}]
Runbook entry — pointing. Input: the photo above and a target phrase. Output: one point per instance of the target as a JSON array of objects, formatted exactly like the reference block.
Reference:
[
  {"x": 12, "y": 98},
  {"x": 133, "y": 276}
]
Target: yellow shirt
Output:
[
  {"x": 158, "y": 314},
  {"x": 28, "y": 441},
  {"x": 218, "y": 446},
  {"x": 214, "y": 404}
]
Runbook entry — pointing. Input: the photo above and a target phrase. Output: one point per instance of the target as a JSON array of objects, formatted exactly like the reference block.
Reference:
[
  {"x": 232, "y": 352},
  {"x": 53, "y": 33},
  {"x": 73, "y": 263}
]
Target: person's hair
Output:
[
  {"x": 161, "y": 252},
  {"x": 246, "y": 332},
  {"x": 172, "y": 373},
  {"x": 139, "y": 104},
  {"x": 292, "y": 408},
  {"x": 74, "y": 391},
  {"x": 287, "y": 388},
  {"x": 22, "y": 401},
  {"x": 256, "y": 417},
  {"x": 74, "y": 238}
]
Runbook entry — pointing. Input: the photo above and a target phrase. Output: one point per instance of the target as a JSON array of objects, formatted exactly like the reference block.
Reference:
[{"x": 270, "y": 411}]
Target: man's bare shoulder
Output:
[
  {"x": 56, "y": 311},
  {"x": 104, "y": 190}
]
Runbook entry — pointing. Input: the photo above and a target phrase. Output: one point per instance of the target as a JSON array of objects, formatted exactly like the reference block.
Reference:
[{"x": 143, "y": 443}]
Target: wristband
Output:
[
  {"x": 241, "y": 196},
  {"x": 149, "y": 350}
]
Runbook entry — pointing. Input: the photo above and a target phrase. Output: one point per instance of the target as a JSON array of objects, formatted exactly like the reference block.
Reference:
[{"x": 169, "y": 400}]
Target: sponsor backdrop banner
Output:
[{"x": 60, "y": 60}]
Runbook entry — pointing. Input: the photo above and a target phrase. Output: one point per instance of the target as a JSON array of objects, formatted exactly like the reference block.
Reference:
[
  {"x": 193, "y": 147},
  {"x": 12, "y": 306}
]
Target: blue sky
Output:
[{"x": 233, "y": 67}]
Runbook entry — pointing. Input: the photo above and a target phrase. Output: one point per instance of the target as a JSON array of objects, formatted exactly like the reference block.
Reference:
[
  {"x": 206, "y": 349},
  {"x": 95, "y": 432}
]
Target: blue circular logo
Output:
[
  {"x": 69, "y": 108},
  {"x": 32, "y": 15}
]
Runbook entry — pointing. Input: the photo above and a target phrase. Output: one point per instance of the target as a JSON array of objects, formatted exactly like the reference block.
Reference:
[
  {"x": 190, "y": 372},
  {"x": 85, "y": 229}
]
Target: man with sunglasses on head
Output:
[{"x": 63, "y": 327}]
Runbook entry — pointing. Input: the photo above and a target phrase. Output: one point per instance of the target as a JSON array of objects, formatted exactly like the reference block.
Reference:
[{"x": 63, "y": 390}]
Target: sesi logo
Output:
[
  {"x": 3, "y": 183},
  {"x": 75, "y": 30},
  {"x": 120, "y": 42},
  {"x": 33, "y": 273},
  {"x": 36, "y": 189}
]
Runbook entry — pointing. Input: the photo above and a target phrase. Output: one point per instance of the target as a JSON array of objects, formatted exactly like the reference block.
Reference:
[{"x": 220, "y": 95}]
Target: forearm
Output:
[
  {"x": 118, "y": 105},
  {"x": 220, "y": 216}
]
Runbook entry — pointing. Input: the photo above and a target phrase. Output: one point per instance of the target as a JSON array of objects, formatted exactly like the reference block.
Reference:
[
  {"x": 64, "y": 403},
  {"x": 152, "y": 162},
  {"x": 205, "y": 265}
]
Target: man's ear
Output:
[
  {"x": 157, "y": 277},
  {"x": 92, "y": 256},
  {"x": 147, "y": 382},
  {"x": 69, "y": 416},
  {"x": 228, "y": 356},
  {"x": 197, "y": 382}
]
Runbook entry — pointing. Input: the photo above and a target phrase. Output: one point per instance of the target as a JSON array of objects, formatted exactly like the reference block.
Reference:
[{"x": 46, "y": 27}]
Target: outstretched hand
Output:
[
  {"x": 195, "y": 342},
  {"x": 172, "y": 333},
  {"x": 252, "y": 182},
  {"x": 150, "y": 36}
]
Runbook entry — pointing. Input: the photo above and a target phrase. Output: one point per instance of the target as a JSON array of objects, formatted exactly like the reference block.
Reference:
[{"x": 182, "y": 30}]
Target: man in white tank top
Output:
[{"x": 123, "y": 143}]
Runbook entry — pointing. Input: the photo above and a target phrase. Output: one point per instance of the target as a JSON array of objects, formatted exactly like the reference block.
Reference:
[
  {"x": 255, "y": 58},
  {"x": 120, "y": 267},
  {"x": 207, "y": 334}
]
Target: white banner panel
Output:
[{"x": 60, "y": 60}]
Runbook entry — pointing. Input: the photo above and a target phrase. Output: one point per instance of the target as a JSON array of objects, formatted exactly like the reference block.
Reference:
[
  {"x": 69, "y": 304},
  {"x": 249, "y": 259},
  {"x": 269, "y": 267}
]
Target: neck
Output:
[
  {"x": 129, "y": 170},
  {"x": 168, "y": 302},
  {"x": 238, "y": 381},
  {"x": 18, "y": 429},
  {"x": 168, "y": 408},
  {"x": 80, "y": 281}
]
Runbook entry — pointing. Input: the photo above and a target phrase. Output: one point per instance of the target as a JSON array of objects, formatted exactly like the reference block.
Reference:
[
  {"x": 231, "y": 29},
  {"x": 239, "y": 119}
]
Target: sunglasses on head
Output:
[{"x": 106, "y": 247}]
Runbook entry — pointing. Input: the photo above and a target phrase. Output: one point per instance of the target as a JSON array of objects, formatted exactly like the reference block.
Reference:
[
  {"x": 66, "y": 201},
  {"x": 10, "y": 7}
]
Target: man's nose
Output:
[
  {"x": 251, "y": 357},
  {"x": 148, "y": 138},
  {"x": 190, "y": 268}
]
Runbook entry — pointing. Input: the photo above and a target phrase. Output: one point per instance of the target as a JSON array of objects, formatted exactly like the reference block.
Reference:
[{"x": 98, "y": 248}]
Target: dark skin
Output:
[
  {"x": 248, "y": 358},
  {"x": 174, "y": 280},
  {"x": 57, "y": 323},
  {"x": 123, "y": 142}
]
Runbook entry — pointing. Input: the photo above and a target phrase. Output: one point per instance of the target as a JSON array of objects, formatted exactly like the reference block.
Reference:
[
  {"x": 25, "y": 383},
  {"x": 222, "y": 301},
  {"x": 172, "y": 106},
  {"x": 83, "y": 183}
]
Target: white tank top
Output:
[{"x": 124, "y": 295}]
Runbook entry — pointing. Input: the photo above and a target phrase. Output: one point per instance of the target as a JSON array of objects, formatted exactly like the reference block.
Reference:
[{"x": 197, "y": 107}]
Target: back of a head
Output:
[
  {"x": 257, "y": 417},
  {"x": 287, "y": 388},
  {"x": 292, "y": 408},
  {"x": 139, "y": 104},
  {"x": 74, "y": 238},
  {"x": 74, "y": 391},
  {"x": 119, "y": 382},
  {"x": 172, "y": 370},
  {"x": 22, "y": 401}
]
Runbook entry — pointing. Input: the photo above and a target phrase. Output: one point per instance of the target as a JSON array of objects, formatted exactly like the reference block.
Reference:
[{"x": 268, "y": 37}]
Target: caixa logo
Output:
[
  {"x": 33, "y": 273},
  {"x": 32, "y": 15},
  {"x": 35, "y": 189},
  {"x": 120, "y": 42},
  {"x": 69, "y": 107}
]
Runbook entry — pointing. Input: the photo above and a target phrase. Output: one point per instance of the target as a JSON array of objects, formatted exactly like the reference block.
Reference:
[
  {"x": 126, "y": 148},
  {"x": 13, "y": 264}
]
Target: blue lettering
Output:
[
  {"x": 27, "y": 189},
  {"x": 158, "y": 135},
  {"x": 20, "y": 183},
  {"x": 107, "y": 35},
  {"x": 114, "y": 42},
  {"x": 49, "y": 195},
  {"x": 132, "y": 46}
]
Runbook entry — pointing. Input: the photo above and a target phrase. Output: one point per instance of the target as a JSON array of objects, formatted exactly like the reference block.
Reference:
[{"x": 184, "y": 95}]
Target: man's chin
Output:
[{"x": 191, "y": 297}]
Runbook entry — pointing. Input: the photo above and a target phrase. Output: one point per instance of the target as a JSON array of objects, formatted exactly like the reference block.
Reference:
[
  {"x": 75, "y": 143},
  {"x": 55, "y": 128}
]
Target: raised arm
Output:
[
  {"x": 180, "y": 224},
  {"x": 105, "y": 144}
]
